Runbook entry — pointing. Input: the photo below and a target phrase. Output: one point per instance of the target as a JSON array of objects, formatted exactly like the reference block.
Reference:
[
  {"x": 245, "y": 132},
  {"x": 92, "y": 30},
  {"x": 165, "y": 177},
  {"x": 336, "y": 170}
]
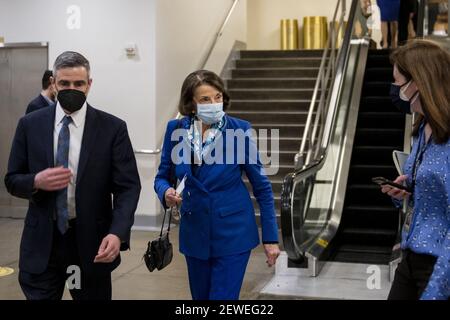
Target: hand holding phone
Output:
[{"x": 383, "y": 181}]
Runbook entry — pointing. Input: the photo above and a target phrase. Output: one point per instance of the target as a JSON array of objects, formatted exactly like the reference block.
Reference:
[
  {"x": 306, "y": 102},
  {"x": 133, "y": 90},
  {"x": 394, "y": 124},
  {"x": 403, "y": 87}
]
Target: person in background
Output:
[
  {"x": 389, "y": 10},
  {"x": 421, "y": 73},
  {"x": 47, "y": 95},
  {"x": 217, "y": 226},
  {"x": 406, "y": 30}
]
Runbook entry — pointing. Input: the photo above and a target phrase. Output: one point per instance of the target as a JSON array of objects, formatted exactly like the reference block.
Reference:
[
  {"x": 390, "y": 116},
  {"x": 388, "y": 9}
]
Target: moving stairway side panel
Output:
[{"x": 369, "y": 224}]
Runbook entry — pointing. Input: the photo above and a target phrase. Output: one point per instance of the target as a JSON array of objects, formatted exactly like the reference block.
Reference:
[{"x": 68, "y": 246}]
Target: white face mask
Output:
[{"x": 210, "y": 113}]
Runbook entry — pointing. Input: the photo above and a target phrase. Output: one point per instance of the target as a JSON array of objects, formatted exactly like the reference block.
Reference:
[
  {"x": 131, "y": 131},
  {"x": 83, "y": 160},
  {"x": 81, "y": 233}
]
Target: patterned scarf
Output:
[{"x": 199, "y": 148}]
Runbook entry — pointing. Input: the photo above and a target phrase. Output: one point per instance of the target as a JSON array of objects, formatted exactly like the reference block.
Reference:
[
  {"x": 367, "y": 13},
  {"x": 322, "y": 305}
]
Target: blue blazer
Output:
[
  {"x": 217, "y": 214},
  {"x": 107, "y": 193}
]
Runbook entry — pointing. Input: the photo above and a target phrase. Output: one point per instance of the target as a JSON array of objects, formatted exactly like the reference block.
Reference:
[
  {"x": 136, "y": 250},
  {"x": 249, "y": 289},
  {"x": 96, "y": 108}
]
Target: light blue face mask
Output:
[{"x": 210, "y": 113}]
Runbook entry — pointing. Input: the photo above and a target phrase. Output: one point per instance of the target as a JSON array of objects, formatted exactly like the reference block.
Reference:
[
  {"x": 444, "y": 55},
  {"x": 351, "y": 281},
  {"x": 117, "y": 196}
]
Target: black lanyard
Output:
[{"x": 418, "y": 160}]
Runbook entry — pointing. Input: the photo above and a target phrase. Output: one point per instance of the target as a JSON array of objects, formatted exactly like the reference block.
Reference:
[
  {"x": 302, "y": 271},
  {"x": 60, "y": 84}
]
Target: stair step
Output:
[
  {"x": 277, "y": 94},
  {"x": 282, "y": 171},
  {"x": 286, "y": 117},
  {"x": 312, "y": 62},
  {"x": 283, "y": 158},
  {"x": 274, "y": 73},
  {"x": 290, "y": 144},
  {"x": 270, "y": 105},
  {"x": 276, "y": 185},
  {"x": 252, "y": 54},
  {"x": 284, "y": 129},
  {"x": 282, "y": 83}
]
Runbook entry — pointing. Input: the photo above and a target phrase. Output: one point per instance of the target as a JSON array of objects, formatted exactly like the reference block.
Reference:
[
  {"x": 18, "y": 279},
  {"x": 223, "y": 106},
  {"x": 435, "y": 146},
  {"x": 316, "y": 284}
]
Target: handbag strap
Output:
[{"x": 164, "y": 221}]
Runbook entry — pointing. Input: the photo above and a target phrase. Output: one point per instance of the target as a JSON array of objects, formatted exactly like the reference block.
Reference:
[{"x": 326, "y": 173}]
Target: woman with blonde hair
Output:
[{"x": 422, "y": 79}]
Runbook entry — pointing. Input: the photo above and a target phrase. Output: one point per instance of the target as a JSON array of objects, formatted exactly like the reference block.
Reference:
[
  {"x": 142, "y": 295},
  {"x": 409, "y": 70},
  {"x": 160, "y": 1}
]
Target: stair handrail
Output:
[
  {"x": 203, "y": 64},
  {"x": 326, "y": 72}
]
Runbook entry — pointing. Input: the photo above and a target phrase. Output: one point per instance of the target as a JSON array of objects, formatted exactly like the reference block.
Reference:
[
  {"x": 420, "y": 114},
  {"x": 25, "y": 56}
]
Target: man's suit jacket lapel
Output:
[{"x": 87, "y": 143}]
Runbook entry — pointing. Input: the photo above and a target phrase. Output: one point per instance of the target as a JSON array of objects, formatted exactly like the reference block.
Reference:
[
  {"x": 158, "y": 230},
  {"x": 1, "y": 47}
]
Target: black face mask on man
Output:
[{"x": 71, "y": 100}]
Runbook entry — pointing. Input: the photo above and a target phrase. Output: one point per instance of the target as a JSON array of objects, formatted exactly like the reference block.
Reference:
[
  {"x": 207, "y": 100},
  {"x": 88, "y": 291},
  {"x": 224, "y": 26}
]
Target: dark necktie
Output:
[{"x": 62, "y": 159}]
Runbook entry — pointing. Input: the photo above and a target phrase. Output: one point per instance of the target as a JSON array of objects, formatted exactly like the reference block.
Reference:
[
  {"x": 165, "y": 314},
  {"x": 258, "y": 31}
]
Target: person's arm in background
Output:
[
  {"x": 262, "y": 190},
  {"x": 438, "y": 287}
]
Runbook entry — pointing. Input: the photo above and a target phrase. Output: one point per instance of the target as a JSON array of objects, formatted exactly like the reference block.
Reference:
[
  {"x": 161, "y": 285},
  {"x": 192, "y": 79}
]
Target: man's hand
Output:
[
  {"x": 172, "y": 198},
  {"x": 52, "y": 179},
  {"x": 395, "y": 192},
  {"x": 109, "y": 249},
  {"x": 272, "y": 252}
]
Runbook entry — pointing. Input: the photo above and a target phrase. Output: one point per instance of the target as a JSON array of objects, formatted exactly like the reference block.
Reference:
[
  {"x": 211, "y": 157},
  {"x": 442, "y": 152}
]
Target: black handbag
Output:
[{"x": 159, "y": 252}]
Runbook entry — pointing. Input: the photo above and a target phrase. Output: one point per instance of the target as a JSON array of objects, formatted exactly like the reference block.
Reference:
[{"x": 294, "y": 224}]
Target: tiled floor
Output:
[{"x": 131, "y": 280}]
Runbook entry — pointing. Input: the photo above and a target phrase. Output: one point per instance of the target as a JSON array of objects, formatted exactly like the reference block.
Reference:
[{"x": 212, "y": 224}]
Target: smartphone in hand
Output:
[{"x": 383, "y": 181}]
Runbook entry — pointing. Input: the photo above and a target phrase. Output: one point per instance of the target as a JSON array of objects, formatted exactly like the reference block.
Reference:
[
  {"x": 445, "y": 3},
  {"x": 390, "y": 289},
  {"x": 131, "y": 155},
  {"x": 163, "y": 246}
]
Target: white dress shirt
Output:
[{"x": 76, "y": 128}]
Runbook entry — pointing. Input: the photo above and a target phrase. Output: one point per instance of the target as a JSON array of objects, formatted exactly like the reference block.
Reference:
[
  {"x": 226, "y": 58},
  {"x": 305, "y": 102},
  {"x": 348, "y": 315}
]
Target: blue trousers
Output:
[{"x": 218, "y": 278}]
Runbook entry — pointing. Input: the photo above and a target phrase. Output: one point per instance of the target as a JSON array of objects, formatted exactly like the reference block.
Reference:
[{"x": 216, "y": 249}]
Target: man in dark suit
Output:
[
  {"x": 77, "y": 167},
  {"x": 47, "y": 95}
]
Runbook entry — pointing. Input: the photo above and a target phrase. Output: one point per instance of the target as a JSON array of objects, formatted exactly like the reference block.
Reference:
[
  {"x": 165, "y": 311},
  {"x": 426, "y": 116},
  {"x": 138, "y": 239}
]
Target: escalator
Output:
[
  {"x": 331, "y": 212},
  {"x": 369, "y": 224}
]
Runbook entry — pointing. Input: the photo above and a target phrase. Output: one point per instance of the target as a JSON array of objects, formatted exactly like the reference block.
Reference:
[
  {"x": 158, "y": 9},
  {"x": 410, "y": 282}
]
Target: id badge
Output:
[{"x": 408, "y": 219}]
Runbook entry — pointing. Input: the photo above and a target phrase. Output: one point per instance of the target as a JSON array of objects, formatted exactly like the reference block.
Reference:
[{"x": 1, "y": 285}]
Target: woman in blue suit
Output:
[{"x": 210, "y": 151}]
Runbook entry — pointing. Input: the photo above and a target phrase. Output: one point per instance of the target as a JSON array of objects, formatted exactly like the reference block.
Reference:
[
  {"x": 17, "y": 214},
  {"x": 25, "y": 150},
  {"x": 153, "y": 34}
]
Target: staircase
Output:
[
  {"x": 369, "y": 222},
  {"x": 273, "y": 90}
]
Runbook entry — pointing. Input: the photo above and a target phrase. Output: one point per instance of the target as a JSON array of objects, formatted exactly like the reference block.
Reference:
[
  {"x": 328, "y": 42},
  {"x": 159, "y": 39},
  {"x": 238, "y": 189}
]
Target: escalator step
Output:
[
  {"x": 362, "y": 257},
  {"x": 377, "y": 104},
  {"x": 362, "y": 174},
  {"x": 378, "y": 74},
  {"x": 376, "y": 88},
  {"x": 388, "y": 120},
  {"x": 369, "y": 217},
  {"x": 378, "y": 137},
  {"x": 366, "y": 195},
  {"x": 369, "y": 236},
  {"x": 381, "y": 155}
]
